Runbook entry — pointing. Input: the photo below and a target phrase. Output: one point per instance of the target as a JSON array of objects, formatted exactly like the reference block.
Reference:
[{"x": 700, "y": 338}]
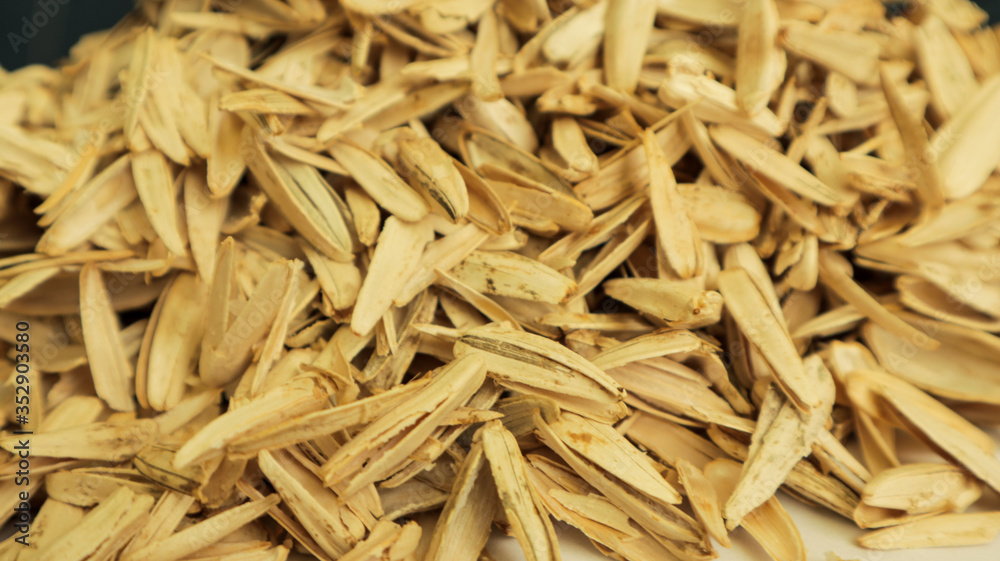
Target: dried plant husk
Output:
[
  {"x": 533, "y": 364},
  {"x": 769, "y": 523}
]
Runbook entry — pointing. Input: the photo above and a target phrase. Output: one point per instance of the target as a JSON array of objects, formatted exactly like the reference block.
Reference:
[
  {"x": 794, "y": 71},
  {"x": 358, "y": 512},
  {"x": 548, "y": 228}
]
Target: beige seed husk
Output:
[
  {"x": 111, "y": 370},
  {"x": 782, "y": 437},
  {"x": 940, "y": 531},
  {"x": 602, "y": 522},
  {"x": 519, "y": 500},
  {"x": 769, "y": 523}
]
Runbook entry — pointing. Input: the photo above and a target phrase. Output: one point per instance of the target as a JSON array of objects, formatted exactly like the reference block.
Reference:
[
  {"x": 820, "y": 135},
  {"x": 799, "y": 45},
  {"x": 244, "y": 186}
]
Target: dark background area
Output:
[
  {"x": 72, "y": 18},
  {"x": 52, "y": 39}
]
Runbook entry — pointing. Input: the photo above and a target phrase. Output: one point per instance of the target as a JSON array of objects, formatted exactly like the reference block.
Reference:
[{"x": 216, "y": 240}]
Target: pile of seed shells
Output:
[{"x": 368, "y": 280}]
